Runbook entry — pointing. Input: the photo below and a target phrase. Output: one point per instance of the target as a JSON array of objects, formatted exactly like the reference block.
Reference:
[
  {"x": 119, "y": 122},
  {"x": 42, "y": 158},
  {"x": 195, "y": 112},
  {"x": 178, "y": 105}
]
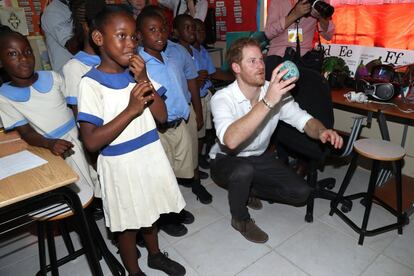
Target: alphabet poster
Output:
[{"x": 353, "y": 55}]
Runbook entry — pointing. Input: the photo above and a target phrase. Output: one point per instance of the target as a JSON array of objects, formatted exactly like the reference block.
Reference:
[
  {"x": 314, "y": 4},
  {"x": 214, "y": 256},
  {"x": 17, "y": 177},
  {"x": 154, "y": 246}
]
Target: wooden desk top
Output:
[
  {"x": 339, "y": 100},
  {"x": 55, "y": 174}
]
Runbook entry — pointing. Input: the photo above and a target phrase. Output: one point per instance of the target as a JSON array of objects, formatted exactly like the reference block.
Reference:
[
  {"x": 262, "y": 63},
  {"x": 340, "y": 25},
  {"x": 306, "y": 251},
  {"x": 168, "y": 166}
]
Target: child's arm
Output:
[
  {"x": 157, "y": 107},
  {"x": 95, "y": 137},
  {"x": 202, "y": 77},
  {"x": 56, "y": 146},
  {"x": 195, "y": 100}
]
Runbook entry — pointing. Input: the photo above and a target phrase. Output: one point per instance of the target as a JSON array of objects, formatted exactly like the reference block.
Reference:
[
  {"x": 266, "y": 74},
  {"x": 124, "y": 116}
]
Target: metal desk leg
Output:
[
  {"x": 113, "y": 264},
  {"x": 74, "y": 203}
]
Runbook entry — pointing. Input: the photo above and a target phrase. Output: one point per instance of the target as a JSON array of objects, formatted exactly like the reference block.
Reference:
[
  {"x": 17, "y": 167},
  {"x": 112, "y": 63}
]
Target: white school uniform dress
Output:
[
  {"x": 73, "y": 71},
  {"x": 43, "y": 106},
  {"x": 136, "y": 178}
]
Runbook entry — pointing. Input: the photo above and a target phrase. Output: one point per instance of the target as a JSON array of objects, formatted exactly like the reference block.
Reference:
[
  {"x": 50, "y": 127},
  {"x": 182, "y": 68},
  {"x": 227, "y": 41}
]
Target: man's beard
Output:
[{"x": 256, "y": 80}]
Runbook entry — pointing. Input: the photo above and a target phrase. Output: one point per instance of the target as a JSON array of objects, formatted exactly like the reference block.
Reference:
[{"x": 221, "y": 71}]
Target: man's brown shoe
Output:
[
  {"x": 254, "y": 203},
  {"x": 250, "y": 230}
]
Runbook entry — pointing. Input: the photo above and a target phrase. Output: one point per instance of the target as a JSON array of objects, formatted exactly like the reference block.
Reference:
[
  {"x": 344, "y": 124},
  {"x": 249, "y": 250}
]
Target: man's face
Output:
[{"x": 251, "y": 69}]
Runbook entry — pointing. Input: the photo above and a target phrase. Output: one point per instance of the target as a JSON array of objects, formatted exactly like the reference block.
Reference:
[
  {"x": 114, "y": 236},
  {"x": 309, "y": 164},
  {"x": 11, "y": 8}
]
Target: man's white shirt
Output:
[{"x": 229, "y": 104}]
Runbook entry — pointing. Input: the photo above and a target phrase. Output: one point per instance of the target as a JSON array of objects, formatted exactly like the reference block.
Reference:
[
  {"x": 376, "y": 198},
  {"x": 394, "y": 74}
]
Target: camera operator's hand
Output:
[
  {"x": 302, "y": 8},
  {"x": 315, "y": 14}
]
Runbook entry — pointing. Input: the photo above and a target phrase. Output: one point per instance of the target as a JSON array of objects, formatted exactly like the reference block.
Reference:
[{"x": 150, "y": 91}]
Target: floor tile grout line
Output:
[
  {"x": 255, "y": 261},
  {"x": 341, "y": 230},
  {"x": 191, "y": 234},
  {"x": 187, "y": 261},
  {"x": 399, "y": 262},
  {"x": 288, "y": 260},
  {"x": 306, "y": 225}
]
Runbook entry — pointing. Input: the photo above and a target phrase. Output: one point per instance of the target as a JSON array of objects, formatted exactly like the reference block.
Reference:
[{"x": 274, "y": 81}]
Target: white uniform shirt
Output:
[
  {"x": 42, "y": 105},
  {"x": 73, "y": 71},
  {"x": 229, "y": 104}
]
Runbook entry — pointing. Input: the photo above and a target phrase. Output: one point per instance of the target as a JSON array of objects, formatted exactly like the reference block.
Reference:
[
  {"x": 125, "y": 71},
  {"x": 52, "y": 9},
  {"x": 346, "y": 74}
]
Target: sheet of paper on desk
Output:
[{"x": 19, "y": 162}]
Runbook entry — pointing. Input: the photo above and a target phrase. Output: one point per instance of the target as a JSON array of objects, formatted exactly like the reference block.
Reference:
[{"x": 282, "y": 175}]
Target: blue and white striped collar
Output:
[
  {"x": 43, "y": 84},
  {"x": 88, "y": 59},
  {"x": 113, "y": 81}
]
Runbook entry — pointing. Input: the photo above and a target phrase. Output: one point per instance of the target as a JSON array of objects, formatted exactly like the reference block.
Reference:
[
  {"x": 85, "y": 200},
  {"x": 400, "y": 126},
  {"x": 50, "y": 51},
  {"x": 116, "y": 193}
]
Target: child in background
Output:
[
  {"x": 185, "y": 30},
  {"x": 116, "y": 117},
  {"x": 186, "y": 74},
  {"x": 33, "y": 104},
  {"x": 73, "y": 71},
  {"x": 85, "y": 59}
]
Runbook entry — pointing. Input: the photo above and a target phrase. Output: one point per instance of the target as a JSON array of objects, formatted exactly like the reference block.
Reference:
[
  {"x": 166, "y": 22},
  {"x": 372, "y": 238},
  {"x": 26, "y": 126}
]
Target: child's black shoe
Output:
[{"x": 161, "y": 262}]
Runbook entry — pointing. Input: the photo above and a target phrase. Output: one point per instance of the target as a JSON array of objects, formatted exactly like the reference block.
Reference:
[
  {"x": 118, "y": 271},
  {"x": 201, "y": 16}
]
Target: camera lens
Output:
[{"x": 324, "y": 9}]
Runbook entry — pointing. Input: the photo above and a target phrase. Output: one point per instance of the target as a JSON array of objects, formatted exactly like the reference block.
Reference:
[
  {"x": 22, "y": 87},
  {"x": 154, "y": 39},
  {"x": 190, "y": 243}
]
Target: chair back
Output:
[{"x": 313, "y": 94}]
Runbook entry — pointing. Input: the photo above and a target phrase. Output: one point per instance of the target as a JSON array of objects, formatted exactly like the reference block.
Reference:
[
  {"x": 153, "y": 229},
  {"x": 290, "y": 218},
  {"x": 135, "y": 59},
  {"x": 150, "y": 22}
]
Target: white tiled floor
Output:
[{"x": 325, "y": 247}]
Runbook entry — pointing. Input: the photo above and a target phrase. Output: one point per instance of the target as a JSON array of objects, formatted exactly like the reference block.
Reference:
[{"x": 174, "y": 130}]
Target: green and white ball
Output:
[{"x": 293, "y": 70}]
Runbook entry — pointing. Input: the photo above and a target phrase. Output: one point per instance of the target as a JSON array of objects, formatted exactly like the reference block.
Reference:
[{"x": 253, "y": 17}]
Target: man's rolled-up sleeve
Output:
[
  {"x": 292, "y": 114},
  {"x": 223, "y": 114}
]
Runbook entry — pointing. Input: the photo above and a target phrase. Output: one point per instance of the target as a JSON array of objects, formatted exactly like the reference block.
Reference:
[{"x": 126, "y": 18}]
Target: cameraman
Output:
[{"x": 281, "y": 28}]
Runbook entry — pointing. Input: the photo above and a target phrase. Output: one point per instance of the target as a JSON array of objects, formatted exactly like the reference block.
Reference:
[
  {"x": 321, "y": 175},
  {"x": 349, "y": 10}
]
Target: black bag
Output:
[{"x": 313, "y": 59}]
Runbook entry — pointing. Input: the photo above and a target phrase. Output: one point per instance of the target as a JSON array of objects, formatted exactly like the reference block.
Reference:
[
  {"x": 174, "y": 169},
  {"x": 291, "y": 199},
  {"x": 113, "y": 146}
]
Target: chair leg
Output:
[
  {"x": 42, "y": 248},
  {"x": 66, "y": 237},
  {"x": 345, "y": 183},
  {"x": 370, "y": 193},
  {"x": 311, "y": 180},
  {"x": 52, "y": 249},
  {"x": 113, "y": 264},
  {"x": 398, "y": 186}
]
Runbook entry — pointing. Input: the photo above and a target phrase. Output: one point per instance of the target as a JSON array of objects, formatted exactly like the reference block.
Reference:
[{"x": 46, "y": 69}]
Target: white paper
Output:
[{"x": 19, "y": 162}]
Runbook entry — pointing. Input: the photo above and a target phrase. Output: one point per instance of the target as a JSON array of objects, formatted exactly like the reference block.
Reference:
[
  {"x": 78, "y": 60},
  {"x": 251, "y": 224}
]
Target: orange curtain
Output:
[{"x": 387, "y": 25}]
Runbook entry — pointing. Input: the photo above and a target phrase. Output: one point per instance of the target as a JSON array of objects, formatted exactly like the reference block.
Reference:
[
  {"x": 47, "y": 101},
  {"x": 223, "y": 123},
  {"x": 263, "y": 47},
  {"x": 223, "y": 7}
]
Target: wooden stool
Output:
[
  {"x": 58, "y": 213},
  {"x": 378, "y": 151}
]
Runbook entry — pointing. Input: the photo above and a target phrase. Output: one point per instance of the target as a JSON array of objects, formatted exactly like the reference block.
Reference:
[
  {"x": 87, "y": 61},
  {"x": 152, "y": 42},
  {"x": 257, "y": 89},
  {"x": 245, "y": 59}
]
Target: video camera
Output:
[{"x": 324, "y": 9}]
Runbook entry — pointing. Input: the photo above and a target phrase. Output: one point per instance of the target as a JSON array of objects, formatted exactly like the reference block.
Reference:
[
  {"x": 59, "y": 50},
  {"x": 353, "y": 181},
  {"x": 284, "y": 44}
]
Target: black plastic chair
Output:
[{"x": 312, "y": 93}]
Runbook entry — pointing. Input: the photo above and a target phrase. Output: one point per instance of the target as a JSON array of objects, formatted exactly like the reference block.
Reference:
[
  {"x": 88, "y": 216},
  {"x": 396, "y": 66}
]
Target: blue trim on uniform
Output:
[
  {"x": 43, "y": 84},
  {"x": 161, "y": 91},
  {"x": 72, "y": 100},
  {"x": 87, "y": 59},
  {"x": 86, "y": 117},
  {"x": 17, "y": 124},
  {"x": 44, "y": 81},
  {"x": 131, "y": 145},
  {"x": 113, "y": 81},
  {"x": 62, "y": 130}
]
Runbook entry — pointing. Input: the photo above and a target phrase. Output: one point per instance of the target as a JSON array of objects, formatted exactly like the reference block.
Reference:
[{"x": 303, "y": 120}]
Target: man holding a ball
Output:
[{"x": 245, "y": 115}]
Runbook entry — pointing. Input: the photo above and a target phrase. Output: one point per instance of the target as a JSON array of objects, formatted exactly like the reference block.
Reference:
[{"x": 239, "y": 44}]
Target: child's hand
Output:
[
  {"x": 59, "y": 146},
  {"x": 137, "y": 67},
  {"x": 202, "y": 75},
  {"x": 141, "y": 96}
]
